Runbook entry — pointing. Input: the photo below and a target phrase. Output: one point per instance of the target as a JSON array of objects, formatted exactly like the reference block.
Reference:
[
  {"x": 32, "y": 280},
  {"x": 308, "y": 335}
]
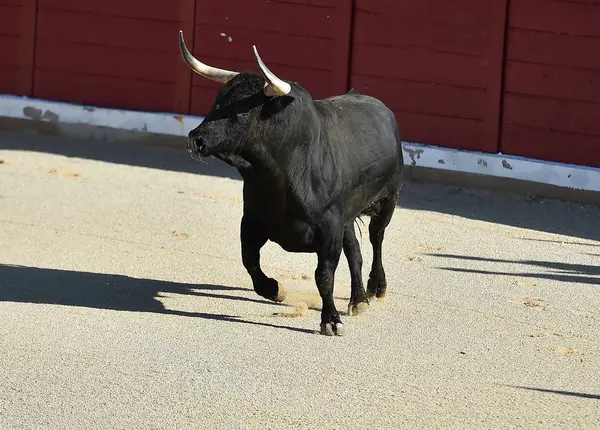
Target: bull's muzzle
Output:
[{"x": 196, "y": 146}]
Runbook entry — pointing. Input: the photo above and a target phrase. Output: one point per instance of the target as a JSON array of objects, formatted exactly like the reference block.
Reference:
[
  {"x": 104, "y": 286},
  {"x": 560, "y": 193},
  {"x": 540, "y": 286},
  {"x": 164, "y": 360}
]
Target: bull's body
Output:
[
  {"x": 340, "y": 165},
  {"x": 310, "y": 168}
]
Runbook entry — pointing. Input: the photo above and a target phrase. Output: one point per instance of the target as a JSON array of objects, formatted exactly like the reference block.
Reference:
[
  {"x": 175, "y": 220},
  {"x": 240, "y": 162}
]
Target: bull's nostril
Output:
[
  {"x": 191, "y": 142},
  {"x": 195, "y": 143}
]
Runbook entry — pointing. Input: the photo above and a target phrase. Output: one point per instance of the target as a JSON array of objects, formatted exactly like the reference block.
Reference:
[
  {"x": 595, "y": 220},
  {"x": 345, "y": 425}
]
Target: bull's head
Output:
[{"x": 245, "y": 100}]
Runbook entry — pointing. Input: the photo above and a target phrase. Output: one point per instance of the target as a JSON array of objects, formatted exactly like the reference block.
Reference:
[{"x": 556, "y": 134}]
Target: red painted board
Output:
[
  {"x": 552, "y": 81},
  {"x": 495, "y": 59},
  {"x": 108, "y": 30},
  {"x": 325, "y": 3},
  {"x": 424, "y": 97},
  {"x": 319, "y": 3},
  {"x": 105, "y": 91},
  {"x": 440, "y": 131},
  {"x": 9, "y": 50},
  {"x": 272, "y": 17},
  {"x": 273, "y": 48},
  {"x": 552, "y": 114},
  {"x": 10, "y": 21},
  {"x": 158, "y": 10},
  {"x": 12, "y": 2},
  {"x": 551, "y": 145},
  {"x": 17, "y": 20},
  {"x": 554, "y": 49},
  {"x": 10, "y": 76},
  {"x": 448, "y": 26},
  {"x": 100, "y": 60},
  {"x": 342, "y": 49},
  {"x": 187, "y": 11},
  {"x": 419, "y": 65},
  {"x": 554, "y": 16}
]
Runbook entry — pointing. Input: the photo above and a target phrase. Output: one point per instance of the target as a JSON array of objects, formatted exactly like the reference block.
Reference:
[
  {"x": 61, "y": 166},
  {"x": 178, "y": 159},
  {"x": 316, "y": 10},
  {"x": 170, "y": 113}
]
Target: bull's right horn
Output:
[{"x": 212, "y": 73}]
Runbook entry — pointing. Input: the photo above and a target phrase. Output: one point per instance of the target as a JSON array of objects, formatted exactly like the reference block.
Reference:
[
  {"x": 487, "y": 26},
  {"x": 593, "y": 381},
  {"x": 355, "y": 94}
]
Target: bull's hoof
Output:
[
  {"x": 379, "y": 295},
  {"x": 272, "y": 290},
  {"x": 376, "y": 289},
  {"x": 357, "y": 308},
  {"x": 281, "y": 293},
  {"x": 332, "y": 329},
  {"x": 382, "y": 298}
]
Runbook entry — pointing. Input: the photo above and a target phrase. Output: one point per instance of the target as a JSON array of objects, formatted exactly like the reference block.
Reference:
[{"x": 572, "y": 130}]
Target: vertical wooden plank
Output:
[
  {"x": 183, "y": 92},
  {"x": 343, "y": 43},
  {"x": 27, "y": 47},
  {"x": 495, "y": 62}
]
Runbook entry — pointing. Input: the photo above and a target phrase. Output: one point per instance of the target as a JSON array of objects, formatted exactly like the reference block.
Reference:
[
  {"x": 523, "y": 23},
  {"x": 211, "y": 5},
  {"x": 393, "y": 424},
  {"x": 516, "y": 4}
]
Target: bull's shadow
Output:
[
  {"x": 113, "y": 292},
  {"x": 556, "y": 271}
]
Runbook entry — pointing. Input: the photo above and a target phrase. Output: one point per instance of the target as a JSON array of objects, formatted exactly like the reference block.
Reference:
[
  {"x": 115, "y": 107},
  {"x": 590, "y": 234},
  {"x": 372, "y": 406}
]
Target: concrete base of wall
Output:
[
  {"x": 424, "y": 163},
  {"x": 499, "y": 184}
]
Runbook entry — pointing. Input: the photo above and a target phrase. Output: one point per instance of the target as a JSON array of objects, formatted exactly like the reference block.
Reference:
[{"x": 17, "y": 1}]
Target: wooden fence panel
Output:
[
  {"x": 551, "y": 106},
  {"x": 113, "y": 53},
  {"x": 303, "y": 41},
  {"x": 17, "y": 43},
  {"x": 437, "y": 64}
]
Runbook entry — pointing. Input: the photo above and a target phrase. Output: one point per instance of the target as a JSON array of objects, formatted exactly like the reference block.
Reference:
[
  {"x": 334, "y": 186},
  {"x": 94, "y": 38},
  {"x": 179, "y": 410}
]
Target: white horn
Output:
[
  {"x": 219, "y": 75},
  {"x": 274, "y": 86}
]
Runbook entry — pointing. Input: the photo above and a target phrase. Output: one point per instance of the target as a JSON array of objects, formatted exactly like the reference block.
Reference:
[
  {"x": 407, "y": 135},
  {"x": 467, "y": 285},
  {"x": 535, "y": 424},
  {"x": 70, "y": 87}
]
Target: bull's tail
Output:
[{"x": 358, "y": 218}]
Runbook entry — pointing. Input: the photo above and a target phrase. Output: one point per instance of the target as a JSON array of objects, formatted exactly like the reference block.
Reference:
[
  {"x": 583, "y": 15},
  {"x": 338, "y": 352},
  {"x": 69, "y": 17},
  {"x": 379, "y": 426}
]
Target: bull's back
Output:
[
  {"x": 364, "y": 134},
  {"x": 366, "y": 117}
]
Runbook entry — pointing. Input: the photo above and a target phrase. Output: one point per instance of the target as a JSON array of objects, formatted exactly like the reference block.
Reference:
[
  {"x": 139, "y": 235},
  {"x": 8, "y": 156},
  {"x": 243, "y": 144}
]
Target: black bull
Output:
[{"x": 310, "y": 168}]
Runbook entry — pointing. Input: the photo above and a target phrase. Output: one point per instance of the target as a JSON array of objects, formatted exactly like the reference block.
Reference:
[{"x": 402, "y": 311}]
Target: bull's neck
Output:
[
  {"x": 276, "y": 156},
  {"x": 284, "y": 145}
]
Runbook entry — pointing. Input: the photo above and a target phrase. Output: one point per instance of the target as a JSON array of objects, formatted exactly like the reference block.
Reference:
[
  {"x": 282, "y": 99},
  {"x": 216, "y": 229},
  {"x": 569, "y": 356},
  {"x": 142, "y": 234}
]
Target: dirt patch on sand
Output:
[
  {"x": 426, "y": 247},
  {"x": 568, "y": 352},
  {"x": 534, "y": 303},
  {"x": 180, "y": 235},
  {"x": 300, "y": 310},
  {"x": 292, "y": 277},
  {"x": 64, "y": 173},
  {"x": 407, "y": 257}
]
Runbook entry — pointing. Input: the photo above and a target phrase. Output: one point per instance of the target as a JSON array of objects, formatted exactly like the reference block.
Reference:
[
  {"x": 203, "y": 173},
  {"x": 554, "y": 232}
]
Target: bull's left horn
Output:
[
  {"x": 274, "y": 86},
  {"x": 212, "y": 73}
]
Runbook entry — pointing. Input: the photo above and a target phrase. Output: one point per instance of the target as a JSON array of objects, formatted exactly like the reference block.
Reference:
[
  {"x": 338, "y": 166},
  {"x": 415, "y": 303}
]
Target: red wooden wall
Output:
[
  {"x": 436, "y": 63},
  {"x": 517, "y": 76},
  {"x": 112, "y": 53},
  {"x": 17, "y": 41},
  {"x": 307, "y": 41},
  {"x": 552, "y": 81}
]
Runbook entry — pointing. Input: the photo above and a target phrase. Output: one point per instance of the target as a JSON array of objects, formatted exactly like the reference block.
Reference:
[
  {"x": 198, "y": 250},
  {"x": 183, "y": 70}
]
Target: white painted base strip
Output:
[
  {"x": 66, "y": 113},
  {"x": 498, "y": 165},
  {"x": 503, "y": 166}
]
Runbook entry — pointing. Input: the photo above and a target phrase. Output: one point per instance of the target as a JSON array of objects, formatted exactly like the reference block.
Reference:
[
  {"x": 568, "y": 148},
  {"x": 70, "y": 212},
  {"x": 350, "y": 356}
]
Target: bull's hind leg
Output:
[
  {"x": 253, "y": 238},
  {"x": 376, "y": 286},
  {"x": 358, "y": 299}
]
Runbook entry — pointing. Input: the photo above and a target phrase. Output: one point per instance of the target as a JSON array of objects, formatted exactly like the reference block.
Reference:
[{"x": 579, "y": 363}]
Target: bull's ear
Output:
[{"x": 274, "y": 86}]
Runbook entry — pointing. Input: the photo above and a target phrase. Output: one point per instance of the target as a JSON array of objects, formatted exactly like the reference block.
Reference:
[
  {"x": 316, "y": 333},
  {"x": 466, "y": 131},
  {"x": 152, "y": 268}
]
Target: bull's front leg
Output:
[
  {"x": 329, "y": 253},
  {"x": 253, "y": 238}
]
